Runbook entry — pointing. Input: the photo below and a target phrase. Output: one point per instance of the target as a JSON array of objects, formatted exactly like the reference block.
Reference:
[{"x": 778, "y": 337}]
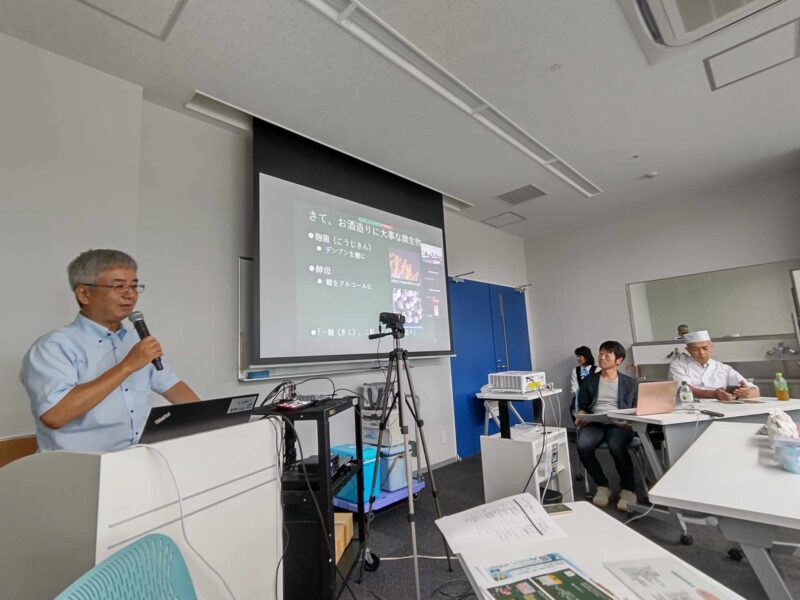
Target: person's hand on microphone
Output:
[{"x": 143, "y": 353}]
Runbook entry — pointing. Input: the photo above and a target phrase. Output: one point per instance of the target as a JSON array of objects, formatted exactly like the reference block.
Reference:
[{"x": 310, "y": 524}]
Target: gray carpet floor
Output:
[{"x": 461, "y": 486}]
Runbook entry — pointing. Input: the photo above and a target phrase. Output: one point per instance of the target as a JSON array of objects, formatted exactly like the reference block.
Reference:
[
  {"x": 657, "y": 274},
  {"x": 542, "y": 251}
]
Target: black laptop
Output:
[{"x": 177, "y": 420}]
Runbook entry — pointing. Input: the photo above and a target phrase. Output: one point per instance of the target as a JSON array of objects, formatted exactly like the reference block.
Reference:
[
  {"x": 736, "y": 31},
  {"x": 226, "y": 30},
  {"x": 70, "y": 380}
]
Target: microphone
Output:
[{"x": 137, "y": 318}]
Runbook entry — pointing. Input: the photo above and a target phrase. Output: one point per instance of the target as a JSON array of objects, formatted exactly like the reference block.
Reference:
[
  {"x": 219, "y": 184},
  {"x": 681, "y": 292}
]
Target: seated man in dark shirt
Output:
[{"x": 600, "y": 393}]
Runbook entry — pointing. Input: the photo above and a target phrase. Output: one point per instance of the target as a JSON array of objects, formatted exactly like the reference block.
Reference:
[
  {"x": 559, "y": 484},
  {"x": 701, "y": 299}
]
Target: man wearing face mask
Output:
[{"x": 707, "y": 377}]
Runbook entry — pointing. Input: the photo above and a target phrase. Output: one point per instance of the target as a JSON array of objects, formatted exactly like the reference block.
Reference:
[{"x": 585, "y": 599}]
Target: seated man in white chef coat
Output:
[{"x": 707, "y": 377}]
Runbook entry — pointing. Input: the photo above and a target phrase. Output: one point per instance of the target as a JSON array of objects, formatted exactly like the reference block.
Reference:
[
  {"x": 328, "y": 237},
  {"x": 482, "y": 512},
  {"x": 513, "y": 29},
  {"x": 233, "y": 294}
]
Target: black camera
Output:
[{"x": 392, "y": 319}]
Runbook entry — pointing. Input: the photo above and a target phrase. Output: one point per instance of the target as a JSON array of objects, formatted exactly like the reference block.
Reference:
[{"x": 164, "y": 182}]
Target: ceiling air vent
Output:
[
  {"x": 679, "y": 22},
  {"x": 523, "y": 194}
]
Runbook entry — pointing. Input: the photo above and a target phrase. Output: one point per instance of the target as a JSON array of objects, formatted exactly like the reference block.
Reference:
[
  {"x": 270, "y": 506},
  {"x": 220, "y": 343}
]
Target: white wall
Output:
[
  {"x": 574, "y": 305},
  {"x": 493, "y": 255},
  {"x": 174, "y": 191},
  {"x": 69, "y": 178}
]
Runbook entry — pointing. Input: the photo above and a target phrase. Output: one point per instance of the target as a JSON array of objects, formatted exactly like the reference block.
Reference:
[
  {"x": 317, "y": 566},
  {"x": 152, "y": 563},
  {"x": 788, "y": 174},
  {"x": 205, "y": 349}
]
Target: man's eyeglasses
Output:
[{"x": 119, "y": 288}]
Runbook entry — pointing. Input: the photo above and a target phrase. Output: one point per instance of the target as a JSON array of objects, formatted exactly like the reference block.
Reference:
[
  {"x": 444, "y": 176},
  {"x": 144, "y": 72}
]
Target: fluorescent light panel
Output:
[
  {"x": 405, "y": 52},
  {"x": 575, "y": 179},
  {"x": 371, "y": 30},
  {"x": 509, "y": 129}
]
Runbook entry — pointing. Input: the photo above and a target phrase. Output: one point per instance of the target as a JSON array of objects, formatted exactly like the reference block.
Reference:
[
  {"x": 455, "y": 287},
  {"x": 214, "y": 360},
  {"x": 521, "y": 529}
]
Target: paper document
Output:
[
  {"x": 548, "y": 577},
  {"x": 665, "y": 578},
  {"x": 517, "y": 518},
  {"x": 604, "y": 418}
]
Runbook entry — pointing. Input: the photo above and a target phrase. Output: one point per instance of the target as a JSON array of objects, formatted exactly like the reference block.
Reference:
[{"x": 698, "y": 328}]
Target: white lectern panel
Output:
[{"x": 62, "y": 512}]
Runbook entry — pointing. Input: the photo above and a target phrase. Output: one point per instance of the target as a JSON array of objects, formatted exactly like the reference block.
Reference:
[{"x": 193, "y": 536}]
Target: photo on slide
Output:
[
  {"x": 409, "y": 304},
  {"x": 432, "y": 255},
  {"x": 404, "y": 266}
]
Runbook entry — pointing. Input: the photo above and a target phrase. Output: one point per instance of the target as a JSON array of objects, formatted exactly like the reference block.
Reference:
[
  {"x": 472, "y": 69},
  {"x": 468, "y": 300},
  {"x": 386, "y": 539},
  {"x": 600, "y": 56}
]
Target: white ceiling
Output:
[{"x": 570, "y": 73}]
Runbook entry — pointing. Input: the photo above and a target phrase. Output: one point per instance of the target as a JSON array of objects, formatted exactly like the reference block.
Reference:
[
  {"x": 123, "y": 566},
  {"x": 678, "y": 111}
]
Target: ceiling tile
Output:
[
  {"x": 753, "y": 56},
  {"x": 504, "y": 219},
  {"x": 154, "y": 17}
]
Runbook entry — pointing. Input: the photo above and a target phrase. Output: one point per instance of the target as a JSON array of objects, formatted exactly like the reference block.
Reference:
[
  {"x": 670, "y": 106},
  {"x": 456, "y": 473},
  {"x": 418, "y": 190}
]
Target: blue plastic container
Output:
[
  {"x": 787, "y": 451},
  {"x": 393, "y": 468},
  {"x": 348, "y": 492}
]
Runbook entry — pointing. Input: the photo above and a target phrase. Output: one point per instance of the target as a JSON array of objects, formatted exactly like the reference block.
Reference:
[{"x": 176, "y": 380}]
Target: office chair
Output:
[
  {"x": 639, "y": 459},
  {"x": 151, "y": 567}
]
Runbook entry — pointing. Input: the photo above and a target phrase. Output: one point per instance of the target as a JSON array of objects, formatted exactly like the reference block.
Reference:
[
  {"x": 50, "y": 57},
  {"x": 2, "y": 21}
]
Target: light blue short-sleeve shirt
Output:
[{"x": 79, "y": 353}]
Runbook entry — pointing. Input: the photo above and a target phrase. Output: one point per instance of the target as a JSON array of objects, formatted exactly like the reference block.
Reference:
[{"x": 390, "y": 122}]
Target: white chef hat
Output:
[{"x": 696, "y": 336}]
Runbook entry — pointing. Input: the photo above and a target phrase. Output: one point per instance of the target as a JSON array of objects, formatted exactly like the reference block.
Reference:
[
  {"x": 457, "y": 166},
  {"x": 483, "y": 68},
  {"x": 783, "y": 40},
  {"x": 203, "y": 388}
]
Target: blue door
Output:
[
  {"x": 473, "y": 344},
  {"x": 512, "y": 346},
  {"x": 490, "y": 334}
]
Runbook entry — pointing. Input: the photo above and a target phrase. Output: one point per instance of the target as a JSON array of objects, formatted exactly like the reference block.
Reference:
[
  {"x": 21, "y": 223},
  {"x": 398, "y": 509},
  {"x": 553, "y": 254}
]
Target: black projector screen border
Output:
[{"x": 280, "y": 153}]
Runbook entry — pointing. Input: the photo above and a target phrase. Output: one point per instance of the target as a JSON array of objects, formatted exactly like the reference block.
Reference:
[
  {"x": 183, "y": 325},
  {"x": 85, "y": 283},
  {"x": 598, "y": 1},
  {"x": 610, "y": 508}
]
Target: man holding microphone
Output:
[{"x": 89, "y": 382}]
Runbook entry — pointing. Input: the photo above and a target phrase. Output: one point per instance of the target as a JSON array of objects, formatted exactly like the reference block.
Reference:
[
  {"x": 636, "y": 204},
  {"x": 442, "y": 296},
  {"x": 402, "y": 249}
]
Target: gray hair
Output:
[{"x": 88, "y": 266}]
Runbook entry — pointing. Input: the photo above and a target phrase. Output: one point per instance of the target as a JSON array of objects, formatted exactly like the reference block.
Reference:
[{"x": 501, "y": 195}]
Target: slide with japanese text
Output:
[{"x": 328, "y": 266}]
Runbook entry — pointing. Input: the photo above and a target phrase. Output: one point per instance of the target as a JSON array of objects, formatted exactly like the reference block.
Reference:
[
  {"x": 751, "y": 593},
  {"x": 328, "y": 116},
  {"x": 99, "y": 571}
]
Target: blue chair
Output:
[{"x": 151, "y": 568}]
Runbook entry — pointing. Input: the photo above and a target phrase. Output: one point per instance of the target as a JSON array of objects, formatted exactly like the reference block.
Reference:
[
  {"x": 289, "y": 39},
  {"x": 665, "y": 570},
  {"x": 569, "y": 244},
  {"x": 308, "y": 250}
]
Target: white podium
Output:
[
  {"x": 63, "y": 512},
  {"x": 507, "y": 463}
]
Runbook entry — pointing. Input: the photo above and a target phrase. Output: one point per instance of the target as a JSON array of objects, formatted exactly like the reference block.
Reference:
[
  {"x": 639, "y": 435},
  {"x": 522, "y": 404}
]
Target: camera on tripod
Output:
[
  {"x": 394, "y": 322},
  {"x": 392, "y": 319},
  {"x": 394, "y": 398}
]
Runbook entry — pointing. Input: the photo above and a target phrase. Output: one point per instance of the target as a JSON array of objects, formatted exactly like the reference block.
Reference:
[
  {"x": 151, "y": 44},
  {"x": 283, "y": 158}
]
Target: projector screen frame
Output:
[{"x": 286, "y": 155}]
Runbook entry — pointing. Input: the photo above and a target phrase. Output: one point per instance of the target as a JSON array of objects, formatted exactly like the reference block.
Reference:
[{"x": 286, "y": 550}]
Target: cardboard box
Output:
[{"x": 343, "y": 532}]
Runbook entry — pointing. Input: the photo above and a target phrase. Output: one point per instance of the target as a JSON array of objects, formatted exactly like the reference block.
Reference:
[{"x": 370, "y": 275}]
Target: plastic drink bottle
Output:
[
  {"x": 781, "y": 387},
  {"x": 685, "y": 395}
]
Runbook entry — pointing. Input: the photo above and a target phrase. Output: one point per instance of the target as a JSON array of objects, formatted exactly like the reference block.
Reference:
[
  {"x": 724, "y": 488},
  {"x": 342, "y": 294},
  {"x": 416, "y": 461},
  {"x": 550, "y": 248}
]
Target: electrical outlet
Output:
[{"x": 444, "y": 437}]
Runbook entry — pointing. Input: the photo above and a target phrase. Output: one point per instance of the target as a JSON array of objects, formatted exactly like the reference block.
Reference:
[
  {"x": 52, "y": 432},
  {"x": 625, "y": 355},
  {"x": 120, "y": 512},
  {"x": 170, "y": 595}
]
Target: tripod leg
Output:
[
  {"x": 419, "y": 423},
  {"x": 407, "y": 455},
  {"x": 386, "y": 411}
]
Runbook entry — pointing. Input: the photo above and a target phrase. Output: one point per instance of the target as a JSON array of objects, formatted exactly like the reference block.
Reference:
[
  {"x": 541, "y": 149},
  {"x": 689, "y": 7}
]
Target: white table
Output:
[
  {"x": 731, "y": 472},
  {"x": 593, "y": 538},
  {"x": 503, "y": 399},
  {"x": 681, "y": 428}
]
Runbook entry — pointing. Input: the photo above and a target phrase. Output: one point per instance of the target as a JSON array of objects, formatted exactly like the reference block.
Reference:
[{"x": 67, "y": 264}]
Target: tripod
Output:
[{"x": 393, "y": 398}]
